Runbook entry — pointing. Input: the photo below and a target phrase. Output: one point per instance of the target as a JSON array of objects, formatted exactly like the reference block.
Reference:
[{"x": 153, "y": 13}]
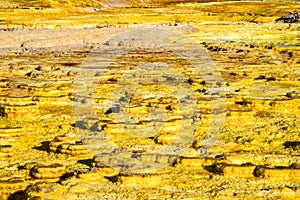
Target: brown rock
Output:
[
  {"x": 68, "y": 144},
  {"x": 99, "y": 175},
  {"x": 6, "y": 151},
  {"x": 11, "y": 132},
  {"x": 51, "y": 172},
  {"x": 10, "y": 186},
  {"x": 29, "y": 111}
]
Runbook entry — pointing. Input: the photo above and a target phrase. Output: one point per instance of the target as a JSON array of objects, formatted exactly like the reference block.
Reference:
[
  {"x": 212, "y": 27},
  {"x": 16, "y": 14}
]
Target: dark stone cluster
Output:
[{"x": 293, "y": 17}]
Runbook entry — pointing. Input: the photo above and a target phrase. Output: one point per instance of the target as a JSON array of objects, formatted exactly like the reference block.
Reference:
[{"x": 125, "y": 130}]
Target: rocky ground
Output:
[{"x": 149, "y": 100}]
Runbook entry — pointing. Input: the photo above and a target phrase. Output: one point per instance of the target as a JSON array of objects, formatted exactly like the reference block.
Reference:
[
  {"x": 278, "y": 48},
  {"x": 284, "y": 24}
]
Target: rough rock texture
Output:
[
  {"x": 68, "y": 144},
  {"x": 158, "y": 100},
  {"x": 293, "y": 17}
]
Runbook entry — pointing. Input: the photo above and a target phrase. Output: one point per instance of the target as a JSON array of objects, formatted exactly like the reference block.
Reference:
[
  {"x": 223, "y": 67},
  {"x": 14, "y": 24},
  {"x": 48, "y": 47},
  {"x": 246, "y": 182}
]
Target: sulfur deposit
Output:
[{"x": 154, "y": 99}]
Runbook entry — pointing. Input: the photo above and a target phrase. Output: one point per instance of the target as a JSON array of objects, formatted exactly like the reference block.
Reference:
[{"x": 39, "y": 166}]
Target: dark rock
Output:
[{"x": 293, "y": 17}]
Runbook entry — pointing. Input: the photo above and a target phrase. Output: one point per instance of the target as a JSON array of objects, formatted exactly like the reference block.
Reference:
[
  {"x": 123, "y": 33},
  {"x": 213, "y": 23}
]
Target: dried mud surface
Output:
[{"x": 149, "y": 100}]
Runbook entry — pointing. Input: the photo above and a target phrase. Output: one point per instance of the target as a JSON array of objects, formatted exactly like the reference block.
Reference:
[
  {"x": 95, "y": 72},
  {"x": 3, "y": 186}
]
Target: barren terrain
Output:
[{"x": 156, "y": 99}]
